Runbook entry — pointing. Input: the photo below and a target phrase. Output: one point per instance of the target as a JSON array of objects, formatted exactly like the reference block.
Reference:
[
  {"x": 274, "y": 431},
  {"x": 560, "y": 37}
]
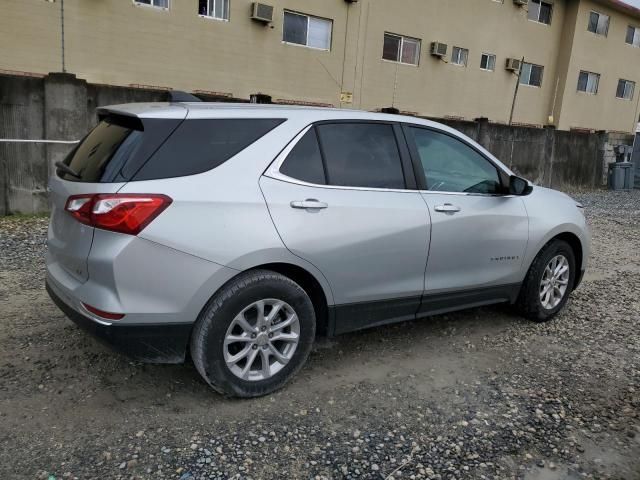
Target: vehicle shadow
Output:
[{"x": 448, "y": 342}]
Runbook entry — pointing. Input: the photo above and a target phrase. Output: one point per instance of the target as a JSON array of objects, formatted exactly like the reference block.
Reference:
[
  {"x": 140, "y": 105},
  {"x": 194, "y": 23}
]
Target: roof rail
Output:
[{"x": 180, "y": 96}]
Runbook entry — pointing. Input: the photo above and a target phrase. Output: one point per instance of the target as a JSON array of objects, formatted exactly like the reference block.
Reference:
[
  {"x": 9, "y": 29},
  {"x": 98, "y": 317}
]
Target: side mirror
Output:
[{"x": 519, "y": 186}]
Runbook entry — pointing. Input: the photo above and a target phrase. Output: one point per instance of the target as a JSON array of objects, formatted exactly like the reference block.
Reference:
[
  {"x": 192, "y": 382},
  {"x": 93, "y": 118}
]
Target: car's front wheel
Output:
[
  {"x": 548, "y": 283},
  {"x": 254, "y": 334}
]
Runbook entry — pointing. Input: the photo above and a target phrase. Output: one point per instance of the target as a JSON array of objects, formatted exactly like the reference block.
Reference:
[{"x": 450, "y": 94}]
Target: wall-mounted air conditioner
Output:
[
  {"x": 513, "y": 64},
  {"x": 261, "y": 12},
  {"x": 438, "y": 49}
]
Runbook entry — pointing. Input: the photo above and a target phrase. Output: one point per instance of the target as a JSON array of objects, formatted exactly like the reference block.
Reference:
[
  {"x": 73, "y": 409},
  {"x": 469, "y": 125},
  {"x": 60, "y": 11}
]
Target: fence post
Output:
[
  {"x": 65, "y": 114},
  {"x": 600, "y": 164},
  {"x": 483, "y": 131},
  {"x": 548, "y": 154}
]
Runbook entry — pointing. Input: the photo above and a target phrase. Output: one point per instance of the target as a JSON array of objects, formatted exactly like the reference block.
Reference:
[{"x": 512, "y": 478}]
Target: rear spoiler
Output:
[
  {"x": 138, "y": 109},
  {"x": 165, "y": 110}
]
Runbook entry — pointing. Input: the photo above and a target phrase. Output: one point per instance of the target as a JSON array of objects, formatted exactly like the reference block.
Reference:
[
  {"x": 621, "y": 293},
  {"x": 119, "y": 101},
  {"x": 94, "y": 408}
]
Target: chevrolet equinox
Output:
[{"x": 238, "y": 232}]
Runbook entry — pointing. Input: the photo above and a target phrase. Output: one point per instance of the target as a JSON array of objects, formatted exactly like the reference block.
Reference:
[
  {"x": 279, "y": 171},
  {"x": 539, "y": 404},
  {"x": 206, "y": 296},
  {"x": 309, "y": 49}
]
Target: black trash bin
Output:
[{"x": 621, "y": 176}]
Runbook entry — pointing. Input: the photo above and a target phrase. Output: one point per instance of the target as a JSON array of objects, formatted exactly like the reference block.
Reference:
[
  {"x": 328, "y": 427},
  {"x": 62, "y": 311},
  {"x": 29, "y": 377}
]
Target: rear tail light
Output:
[{"x": 124, "y": 213}]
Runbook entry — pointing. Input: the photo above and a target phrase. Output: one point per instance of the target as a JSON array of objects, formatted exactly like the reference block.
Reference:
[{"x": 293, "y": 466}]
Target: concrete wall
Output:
[
  {"x": 63, "y": 107},
  {"x": 119, "y": 42}
]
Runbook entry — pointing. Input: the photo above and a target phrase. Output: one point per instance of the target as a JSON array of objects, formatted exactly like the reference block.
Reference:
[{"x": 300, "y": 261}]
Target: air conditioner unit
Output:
[
  {"x": 261, "y": 12},
  {"x": 520, "y": 3},
  {"x": 513, "y": 64},
  {"x": 438, "y": 49}
]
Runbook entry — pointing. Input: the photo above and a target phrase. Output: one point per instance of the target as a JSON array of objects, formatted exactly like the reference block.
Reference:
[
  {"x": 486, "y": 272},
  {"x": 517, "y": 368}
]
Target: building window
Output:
[
  {"x": 488, "y": 62},
  {"x": 306, "y": 30},
  {"x": 531, "y": 75},
  {"x": 459, "y": 56},
  {"x": 214, "y": 8},
  {"x": 588, "y": 82},
  {"x": 398, "y": 48},
  {"x": 154, "y": 3},
  {"x": 625, "y": 89},
  {"x": 633, "y": 36},
  {"x": 540, "y": 11},
  {"x": 598, "y": 23}
]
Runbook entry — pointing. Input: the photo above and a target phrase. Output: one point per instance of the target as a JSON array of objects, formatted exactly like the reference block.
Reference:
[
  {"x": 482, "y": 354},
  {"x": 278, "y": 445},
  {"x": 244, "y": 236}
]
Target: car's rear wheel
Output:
[
  {"x": 548, "y": 283},
  {"x": 254, "y": 334}
]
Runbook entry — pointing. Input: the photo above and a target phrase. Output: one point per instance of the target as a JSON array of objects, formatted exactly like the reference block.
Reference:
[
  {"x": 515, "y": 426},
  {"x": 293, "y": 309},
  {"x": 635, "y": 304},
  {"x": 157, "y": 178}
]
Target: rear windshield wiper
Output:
[{"x": 67, "y": 169}]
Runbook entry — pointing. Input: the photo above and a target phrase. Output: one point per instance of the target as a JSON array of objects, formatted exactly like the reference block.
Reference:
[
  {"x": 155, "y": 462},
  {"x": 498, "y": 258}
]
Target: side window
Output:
[
  {"x": 361, "y": 155},
  {"x": 197, "y": 146},
  {"x": 304, "y": 162},
  {"x": 452, "y": 166}
]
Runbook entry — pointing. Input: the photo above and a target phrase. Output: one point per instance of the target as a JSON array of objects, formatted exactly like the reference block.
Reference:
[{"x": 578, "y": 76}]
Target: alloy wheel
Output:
[
  {"x": 261, "y": 339},
  {"x": 554, "y": 282}
]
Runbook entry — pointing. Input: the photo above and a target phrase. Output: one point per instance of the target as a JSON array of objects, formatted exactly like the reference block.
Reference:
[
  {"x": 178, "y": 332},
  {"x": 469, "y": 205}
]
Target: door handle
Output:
[
  {"x": 309, "y": 203},
  {"x": 447, "y": 208}
]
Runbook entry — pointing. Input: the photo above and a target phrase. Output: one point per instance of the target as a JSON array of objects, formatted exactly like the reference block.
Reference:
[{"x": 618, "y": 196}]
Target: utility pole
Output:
[
  {"x": 395, "y": 87},
  {"x": 515, "y": 93},
  {"x": 64, "y": 67}
]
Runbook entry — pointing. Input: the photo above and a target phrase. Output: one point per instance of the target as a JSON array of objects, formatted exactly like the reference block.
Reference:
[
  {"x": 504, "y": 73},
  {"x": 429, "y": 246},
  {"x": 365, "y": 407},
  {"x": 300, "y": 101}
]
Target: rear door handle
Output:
[
  {"x": 309, "y": 203},
  {"x": 447, "y": 208}
]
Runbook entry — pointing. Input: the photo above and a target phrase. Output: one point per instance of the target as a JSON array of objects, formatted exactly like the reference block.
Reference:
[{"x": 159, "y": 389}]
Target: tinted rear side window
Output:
[
  {"x": 361, "y": 155},
  {"x": 201, "y": 145},
  {"x": 304, "y": 162}
]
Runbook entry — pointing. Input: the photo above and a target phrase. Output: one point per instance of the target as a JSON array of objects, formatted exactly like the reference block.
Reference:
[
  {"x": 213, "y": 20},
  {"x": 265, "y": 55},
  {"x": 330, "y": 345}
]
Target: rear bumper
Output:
[{"x": 159, "y": 343}]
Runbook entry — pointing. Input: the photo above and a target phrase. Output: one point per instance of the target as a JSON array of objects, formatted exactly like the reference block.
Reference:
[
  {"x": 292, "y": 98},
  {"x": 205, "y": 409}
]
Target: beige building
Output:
[{"x": 436, "y": 58}]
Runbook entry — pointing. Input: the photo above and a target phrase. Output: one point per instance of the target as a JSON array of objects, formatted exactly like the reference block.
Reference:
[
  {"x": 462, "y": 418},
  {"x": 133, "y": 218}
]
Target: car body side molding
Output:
[{"x": 358, "y": 316}]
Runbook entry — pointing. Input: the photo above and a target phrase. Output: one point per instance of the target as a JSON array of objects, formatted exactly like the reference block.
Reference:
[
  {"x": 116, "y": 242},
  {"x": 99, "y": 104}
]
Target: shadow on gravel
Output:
[{"x": 372, "y": 355}]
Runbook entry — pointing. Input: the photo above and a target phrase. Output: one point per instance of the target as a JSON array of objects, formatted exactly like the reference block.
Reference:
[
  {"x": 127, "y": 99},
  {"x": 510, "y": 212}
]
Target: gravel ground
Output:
[{"x": 477, "y": 394}]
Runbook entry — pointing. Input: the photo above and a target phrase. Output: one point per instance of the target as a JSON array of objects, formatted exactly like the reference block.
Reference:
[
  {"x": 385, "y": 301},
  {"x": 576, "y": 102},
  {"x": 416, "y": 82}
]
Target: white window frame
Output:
[
  {"x": 540, "y": 2},
  {"x": 600, "y": 15},
  {"x": 635, "y": 42},
  {"x": 403, "y": 38},
  {"x": 457, "y": 59},
  {"x": 306, "y": 44},
  {"x": 593, "y": 79},
  {"x": 488, "y": 55},
  {"x": 152, "y": 4},
  {"x": 528, "y": 84},
  {"x": 211, "y": 8},
  {"x": 627, "y": 84}
]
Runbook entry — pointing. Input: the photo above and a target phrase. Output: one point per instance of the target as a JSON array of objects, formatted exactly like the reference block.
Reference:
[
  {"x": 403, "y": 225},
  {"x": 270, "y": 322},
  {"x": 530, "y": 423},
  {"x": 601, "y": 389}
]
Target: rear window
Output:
[
  {"x": 122, "y": 149},
  {"x": 103, "y": 151},
  {"x": 116, "y": 148},
  {"x": 201, "y": 145}
]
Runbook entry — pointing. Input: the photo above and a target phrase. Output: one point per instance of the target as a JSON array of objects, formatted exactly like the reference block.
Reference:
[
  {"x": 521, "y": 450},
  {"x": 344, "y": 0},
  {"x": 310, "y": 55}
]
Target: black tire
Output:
[
  {"x": 207, "y": 338},
  {"x": 528, "y": 303}
]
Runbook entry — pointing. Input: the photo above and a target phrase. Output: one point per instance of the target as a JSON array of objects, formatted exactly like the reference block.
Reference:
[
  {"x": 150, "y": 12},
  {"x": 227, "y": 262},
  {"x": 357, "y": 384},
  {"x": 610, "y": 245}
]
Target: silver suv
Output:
[{"x": 240, "y": 232}]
